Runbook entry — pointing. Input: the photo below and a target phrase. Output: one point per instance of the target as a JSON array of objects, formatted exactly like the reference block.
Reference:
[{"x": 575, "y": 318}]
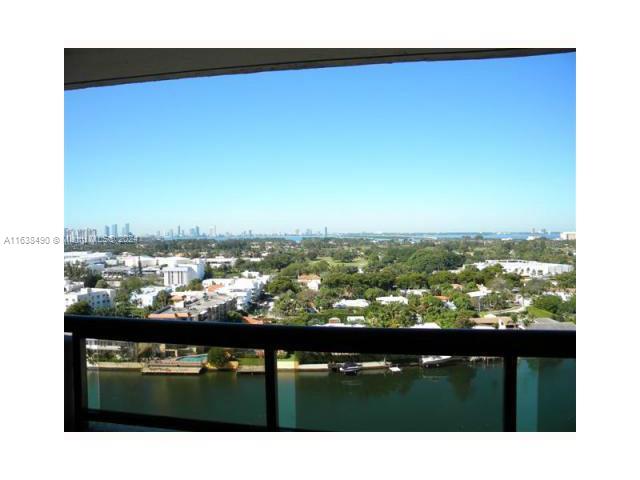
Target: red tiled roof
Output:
[
  {"x": 252, "y": 320},
  {"x": 306, "y": 278}
]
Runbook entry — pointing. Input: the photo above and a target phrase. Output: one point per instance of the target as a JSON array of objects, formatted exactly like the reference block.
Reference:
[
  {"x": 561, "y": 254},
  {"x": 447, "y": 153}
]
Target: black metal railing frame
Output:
[{"x": 508, "y": 344}]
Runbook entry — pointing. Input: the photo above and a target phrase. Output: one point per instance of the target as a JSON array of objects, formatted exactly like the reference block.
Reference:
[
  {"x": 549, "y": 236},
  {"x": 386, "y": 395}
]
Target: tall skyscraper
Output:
[
  {"x": 106, "y": 230},
  {"x": 325, "y": 231},
  {"x": 114, "y": 230},
  {"x": 179, "y": 231},
  {"x": 126, "y": 230},
  {"x": 197, "y": 231}
]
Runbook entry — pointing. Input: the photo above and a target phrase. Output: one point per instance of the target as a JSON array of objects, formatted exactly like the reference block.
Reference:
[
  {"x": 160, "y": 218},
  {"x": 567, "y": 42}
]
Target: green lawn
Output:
[
  {"x": 358, "y": 262},
  {"x": 251, "y": 361},
  {"x": 539, "y": 313}
]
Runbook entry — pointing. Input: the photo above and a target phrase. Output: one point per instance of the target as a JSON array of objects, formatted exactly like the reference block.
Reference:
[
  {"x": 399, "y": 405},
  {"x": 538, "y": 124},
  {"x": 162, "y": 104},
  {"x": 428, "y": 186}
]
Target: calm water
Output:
[{"x": 456, "y": 397}]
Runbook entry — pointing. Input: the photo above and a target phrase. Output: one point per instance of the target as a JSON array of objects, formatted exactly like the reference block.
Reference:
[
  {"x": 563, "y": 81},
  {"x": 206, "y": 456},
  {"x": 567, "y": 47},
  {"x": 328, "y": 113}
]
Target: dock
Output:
[
  {"x": 172, "y": 368},
  {"x": 132, "y": 366},
  {"x": 251, "y": 369},
  {"x": 484, "y": 359}
]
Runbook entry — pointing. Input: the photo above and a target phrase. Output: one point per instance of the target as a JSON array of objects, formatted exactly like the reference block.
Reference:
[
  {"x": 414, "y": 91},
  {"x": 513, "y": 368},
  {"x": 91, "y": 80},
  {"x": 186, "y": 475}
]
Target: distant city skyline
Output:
[
  {"x": 417, "y": 147},
  {"x": 212, "y": 232}
]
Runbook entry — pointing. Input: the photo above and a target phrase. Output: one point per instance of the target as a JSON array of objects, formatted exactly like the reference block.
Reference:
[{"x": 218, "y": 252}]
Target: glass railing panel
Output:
[
  {"x": 546, "y": 395},
  {"x": 391, "y": 393},
  {"x": 202, "y": 383}
]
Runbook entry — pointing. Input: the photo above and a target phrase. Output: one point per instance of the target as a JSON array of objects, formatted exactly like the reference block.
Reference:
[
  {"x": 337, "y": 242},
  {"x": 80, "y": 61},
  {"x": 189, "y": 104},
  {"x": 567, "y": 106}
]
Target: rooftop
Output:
[
  {"x": 550, "y": 324},
  {"x": 490, "y": 320}
]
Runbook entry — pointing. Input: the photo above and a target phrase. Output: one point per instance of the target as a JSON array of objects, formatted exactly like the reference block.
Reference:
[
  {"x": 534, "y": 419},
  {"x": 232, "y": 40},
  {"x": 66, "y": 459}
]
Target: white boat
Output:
[
  {"x": 434, "y": 360},
  {"x": 350, "y": 368},
  {"x": 395, "y": 369}
]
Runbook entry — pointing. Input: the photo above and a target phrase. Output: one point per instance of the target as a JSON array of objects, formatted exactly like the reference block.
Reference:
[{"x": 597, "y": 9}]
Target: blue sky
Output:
[{"x": 431, "y": 146}]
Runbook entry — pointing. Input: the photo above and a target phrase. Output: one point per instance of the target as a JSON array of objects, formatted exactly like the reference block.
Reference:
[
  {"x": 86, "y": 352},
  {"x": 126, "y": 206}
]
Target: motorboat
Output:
[
  {"x": 434, "y": 360},
  {"x": 395, "y": 369},
  {"x": 350, "y": 368}
]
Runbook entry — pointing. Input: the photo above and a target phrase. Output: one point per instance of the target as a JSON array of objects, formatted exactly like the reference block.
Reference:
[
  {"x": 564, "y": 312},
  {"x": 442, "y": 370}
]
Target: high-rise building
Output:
[
  {"x": 126, "y": 230},
  {"x": 106, "y": 230},
  {"x": 325, "y": 231},
  {"x": 114, "y": 230},
  {"x": 179, "y": 231},
  {"x": 197, "y": 231}
]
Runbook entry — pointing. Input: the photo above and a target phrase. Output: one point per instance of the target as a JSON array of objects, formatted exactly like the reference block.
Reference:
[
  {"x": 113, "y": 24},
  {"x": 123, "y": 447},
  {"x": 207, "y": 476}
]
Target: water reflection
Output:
[
  {"x": 461, "y": 396},
  {"x": 458, "y": 396}
]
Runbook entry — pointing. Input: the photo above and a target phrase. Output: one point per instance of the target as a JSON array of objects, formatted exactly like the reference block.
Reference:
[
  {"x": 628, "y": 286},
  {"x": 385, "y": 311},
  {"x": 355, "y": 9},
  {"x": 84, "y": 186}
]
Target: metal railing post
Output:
[
  {"x": 271, "y": 387},
  {"x": 510, "y": 393},
  {"x": 80, "y": 397}
]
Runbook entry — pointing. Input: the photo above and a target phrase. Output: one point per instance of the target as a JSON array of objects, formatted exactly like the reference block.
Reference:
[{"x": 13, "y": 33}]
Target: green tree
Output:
[
  {"x": 234, "y": 317},
  {"x": 80, "y": 273},
  {"x": 218, "y": 356},
  {"x": 161, "y": 300},
  {"x": 412, "y": 280},
  {"x": 462, "y": 301},
  {"x": 208, "y": 271},
  {"x": 372, "y": 293},
  {"x": 429, "y": 260},
  {"x": 550, "y": 303},
  {"x": 193, "y": 285},
  {"x": 288, "y": 305},
  {"x": 281, "y": 285},
  {"x": 80, "y": 308},
  {"x": 569, "y": 306},
  {"x": 566, "y": 280}
]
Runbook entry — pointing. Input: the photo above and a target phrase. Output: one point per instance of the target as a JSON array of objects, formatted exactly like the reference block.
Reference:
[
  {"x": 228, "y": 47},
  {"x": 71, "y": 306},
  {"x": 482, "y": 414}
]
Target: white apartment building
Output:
[
  {"x": 135, "y": 260},
  {"x": 183, "y": 273},
  {"x": 481, "y": 292},
  {"x": 252, "y": 259},
  {"x": 527, "y": 268},
  {"x": 96, "y": 297},
  {"x": 245, "y": 290},
  {"x": 197, "y": 306},
  {"x": 429, "y": 325},
  {"x": 357, "y": 303},
  {"x": 568, "y": 236},
  {"x": 356, "y": 319},
  {"x": 147, "y": 295},
  {"x": 392, "y": 299},
  {"x": 312, "y": 282},
  {"x": 220, "y": 261},
  {"x": 94, "y": 261},
  {"x": 70, "y": 286},
  {"x": 88, "y": 258},
  {"x": 415, "y": 291},
  {"x": 523, "y": 301}
]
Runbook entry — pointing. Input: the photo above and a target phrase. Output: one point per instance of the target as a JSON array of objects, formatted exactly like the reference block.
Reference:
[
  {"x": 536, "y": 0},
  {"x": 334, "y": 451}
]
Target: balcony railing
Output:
[{"x": 508, "y": 344}]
